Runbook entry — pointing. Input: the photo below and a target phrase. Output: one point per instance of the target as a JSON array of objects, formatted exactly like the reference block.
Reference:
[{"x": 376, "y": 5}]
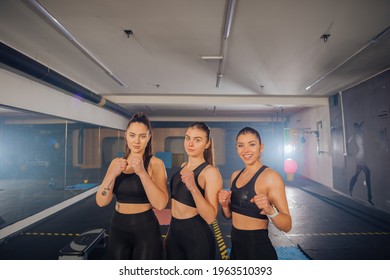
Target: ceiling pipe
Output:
[
  {"x": 226, "y": 33},
  {"x": 38, "y": 7},
  {"x": 24, "y": 64}
]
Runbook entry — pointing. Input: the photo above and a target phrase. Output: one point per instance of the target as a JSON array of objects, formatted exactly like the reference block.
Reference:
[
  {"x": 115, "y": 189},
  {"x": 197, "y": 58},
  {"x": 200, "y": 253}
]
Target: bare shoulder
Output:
[
  {"x": 156, "y": 162},
  {"x": 156, "y": 165},
  {"x": 211, "y": 169},
  {"x": 272, "y": 178},
  {"x": 212, "y": 178},
  {"x": 156, "y": 168},
  {"x": 211, "y": 172}
]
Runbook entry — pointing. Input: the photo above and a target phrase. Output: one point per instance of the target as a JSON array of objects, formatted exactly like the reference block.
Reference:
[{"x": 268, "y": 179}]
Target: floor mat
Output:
[
  {"x": 291, "y": 253},
  {"x": 288, "y": 253},
  {"x": 79, "y": 187},
  {"x": 163, "y": 216}
]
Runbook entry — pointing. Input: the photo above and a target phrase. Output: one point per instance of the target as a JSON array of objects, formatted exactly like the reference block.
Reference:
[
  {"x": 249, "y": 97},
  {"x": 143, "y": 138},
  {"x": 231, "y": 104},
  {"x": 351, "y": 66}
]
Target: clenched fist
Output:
[{"x": 224, "y": 197}]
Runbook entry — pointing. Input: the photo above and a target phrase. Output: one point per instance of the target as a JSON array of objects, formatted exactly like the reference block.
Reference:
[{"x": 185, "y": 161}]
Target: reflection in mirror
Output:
[{"x": 45, "y": 160}]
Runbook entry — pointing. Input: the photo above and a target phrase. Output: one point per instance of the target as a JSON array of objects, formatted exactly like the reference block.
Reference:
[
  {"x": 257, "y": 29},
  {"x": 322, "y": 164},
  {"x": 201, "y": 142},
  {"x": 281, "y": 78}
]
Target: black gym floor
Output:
[{"x": 326, "y": 226}]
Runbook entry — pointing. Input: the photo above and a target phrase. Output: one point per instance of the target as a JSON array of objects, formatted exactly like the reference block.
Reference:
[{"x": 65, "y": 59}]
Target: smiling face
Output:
[
  {"x": 249, "y": 148},
  {"x": 195, "y": 142},
  {"x": 137, "y": 136}
]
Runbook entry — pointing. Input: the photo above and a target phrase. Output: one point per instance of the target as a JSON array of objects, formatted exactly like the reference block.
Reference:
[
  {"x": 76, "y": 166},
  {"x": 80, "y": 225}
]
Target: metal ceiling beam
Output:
[
  {"x": 226, "y": 33},
  {"x": 228, "y": 24},
  {"x": 216, "y": 100}
]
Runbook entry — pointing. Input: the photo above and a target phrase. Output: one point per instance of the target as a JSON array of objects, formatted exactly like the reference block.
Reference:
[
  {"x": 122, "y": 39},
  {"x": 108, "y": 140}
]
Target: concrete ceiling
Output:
[{"x": 274, "y": 51}]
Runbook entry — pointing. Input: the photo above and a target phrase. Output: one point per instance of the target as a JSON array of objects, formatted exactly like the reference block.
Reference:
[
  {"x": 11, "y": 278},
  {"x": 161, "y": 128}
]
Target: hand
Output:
[
  {"x": 224, "y": 198},
  {"x": 262, "y": 202},
  {"x": 137, "y": 163},
  {"x": 119, "y": 165},
  {"x": 189, "y": 180}
]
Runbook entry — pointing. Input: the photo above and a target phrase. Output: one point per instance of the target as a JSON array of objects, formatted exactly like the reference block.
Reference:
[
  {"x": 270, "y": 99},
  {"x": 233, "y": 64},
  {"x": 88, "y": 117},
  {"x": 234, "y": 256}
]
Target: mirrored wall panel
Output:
[{"x": 45, "y": 160}]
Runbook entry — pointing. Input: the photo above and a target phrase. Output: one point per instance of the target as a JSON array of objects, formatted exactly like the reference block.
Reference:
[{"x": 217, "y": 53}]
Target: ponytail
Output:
[
  {"x": 141, "y": 118},
  {"x": 208, "y": 153}
]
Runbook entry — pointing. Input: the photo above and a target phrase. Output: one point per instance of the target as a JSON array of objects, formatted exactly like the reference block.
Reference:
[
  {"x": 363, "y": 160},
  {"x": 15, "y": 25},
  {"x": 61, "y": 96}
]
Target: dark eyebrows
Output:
[
  {"x": 250, "y": 142},
  {"x": 141, "y": 134},
  {"x": 196, "y": 137}
]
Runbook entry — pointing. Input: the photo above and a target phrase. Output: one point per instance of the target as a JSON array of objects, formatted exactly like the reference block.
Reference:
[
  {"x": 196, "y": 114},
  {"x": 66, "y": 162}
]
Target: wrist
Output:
[
  {"x": 192, "y": 188},
  {"x": 143, "y": 173},
  {"x": 276, "y": 212}
]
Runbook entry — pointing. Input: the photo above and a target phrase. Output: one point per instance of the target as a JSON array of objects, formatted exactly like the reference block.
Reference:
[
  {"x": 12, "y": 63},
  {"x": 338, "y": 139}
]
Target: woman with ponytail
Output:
[
  {"x": 139, "y": 183},
  {"x": 256, "y": 197},
  {"x": 194, "y": 198}
]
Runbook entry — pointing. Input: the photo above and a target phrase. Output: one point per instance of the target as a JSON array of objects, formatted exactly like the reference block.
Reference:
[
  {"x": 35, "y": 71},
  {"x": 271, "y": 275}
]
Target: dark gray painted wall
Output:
[{"x": 367, "y": 135}]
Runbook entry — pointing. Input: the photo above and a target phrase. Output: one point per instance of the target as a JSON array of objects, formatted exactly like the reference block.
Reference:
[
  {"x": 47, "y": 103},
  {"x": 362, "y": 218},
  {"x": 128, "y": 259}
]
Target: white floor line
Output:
[{"x": 19, "y": 225}]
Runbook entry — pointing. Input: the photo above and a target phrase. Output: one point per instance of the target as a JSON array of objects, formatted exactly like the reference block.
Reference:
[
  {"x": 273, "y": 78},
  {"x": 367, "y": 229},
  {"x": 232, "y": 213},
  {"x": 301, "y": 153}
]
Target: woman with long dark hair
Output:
[
  {"x": 194, "y": 198},
  {"x": 139, "y": 183}
]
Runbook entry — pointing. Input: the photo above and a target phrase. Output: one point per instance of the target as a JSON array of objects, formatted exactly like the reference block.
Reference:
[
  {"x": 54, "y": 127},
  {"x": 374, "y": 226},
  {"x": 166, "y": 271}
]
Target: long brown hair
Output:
[
  {"x": 208, "y": 153},
  {"x": 140, "y": 118}
]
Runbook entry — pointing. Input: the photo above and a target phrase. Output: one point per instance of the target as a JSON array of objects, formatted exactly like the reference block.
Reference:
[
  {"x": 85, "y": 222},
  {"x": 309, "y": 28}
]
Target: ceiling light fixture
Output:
[
  {"x": 325, "y": 37},
  {"x": 211, "y": 57},
  {"x": 71, "y": 38},
  {"x": 128, "y": 32}
]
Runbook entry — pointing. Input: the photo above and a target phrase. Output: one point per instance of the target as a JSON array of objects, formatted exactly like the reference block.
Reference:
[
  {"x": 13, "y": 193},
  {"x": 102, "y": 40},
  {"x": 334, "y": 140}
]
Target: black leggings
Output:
[
  {"x": 251, "y": 245},
  {"x": 190, "y": 239},
  {"x": 359, "y": 168},
  {"x": 135, "y": 237}
]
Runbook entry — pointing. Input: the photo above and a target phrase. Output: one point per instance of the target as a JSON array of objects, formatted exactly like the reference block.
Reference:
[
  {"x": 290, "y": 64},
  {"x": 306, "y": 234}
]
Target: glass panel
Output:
[{"x": 45, "y": 160}]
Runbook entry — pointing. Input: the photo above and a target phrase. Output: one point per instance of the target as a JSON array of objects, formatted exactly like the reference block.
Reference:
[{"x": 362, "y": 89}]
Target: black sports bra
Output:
[
  {"x": 179, "y": 190},
  {"x": 240, "y": 198},
  {"x": 128, "y": 188}
]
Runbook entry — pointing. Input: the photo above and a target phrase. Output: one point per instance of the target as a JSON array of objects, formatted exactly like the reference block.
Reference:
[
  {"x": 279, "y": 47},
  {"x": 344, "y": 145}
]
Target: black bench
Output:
[{"x": 83, "y": 244}]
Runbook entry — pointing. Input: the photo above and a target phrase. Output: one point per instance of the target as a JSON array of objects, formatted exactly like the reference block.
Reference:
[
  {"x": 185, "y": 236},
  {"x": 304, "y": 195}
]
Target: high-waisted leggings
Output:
[
  {"x": 251, "y": 245},
  {"x": 190, "y": 239},
  {"x": 135, "y": 237}
]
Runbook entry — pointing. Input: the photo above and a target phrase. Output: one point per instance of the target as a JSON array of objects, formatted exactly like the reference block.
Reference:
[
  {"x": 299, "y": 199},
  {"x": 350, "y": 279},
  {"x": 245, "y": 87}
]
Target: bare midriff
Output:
[
  {"x": 182, "y": 211},
  {"x": 132, "y": 208},
  {"x": 248, "y": 223}
]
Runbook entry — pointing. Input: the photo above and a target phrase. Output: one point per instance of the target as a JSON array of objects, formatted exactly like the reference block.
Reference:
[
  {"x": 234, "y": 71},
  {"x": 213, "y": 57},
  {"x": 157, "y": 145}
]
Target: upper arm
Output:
[
  {"x": 276, "y": 191},
  {"x": 213, "y": 184},
  {"x": 159, "y": 173}
]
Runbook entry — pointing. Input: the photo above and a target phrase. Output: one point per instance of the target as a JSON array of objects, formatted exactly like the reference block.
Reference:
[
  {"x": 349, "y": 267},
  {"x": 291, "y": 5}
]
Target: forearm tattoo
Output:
[{"x": 104, "y": 192}]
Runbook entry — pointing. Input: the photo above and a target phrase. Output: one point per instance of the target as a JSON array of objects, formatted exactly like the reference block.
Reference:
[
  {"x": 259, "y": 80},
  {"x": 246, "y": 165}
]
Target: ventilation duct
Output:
[{"x": 25, "y": 64}]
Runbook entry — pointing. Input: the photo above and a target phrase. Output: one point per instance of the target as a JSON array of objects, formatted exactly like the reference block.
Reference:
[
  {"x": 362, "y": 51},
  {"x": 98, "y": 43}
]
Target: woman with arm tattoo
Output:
[{"x": 139, "y": 183}]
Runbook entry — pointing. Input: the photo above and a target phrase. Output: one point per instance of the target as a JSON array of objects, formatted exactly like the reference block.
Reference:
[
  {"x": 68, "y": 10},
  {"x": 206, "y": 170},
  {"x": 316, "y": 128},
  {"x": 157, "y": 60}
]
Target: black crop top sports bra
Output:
[
  {"x": 179, "y": 190},
  {"x": 240, "y": 198},
  {"x": 128, "y": 188}
]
